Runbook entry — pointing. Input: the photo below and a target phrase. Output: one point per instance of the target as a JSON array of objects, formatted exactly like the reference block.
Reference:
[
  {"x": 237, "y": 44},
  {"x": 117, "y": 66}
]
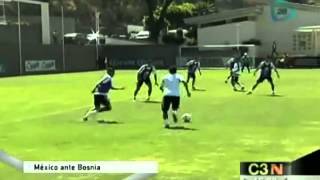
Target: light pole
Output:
[
  {"x": 62, "y": 36},
  {"x": 238, "y": 35},
  {"x": 97, "y": 22},
  {"x": 316, "y": 33},
  {"x": 19, "y": 37}
]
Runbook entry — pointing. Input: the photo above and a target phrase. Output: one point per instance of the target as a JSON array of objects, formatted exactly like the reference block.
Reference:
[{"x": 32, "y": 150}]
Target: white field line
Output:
[
  {"x": 139, "y": 176},
  {"x": 46, "y": 115}
]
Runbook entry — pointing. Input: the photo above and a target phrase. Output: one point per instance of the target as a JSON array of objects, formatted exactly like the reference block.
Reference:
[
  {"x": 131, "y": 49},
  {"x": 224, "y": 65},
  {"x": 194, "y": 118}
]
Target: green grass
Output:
[{"x": 41, "y": 120}]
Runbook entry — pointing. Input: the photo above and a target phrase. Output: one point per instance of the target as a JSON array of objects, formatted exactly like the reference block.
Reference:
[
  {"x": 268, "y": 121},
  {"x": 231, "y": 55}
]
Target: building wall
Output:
[
  {"x": 264, "y": 29},
  {"x": 227, "y": 34},
  {"x": 282, "y": 31}
]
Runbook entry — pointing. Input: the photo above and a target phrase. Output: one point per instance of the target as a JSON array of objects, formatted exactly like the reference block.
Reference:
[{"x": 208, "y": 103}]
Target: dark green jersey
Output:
[{"x": 266, "y": 68}]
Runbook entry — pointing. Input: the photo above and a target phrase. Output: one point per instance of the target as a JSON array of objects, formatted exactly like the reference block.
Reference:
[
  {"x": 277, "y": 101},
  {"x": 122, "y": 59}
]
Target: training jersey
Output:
[
  {"x": 193, "y": 66},
  {"x": 236, "y": 68},
  {"x": 245, "y": 60},
  {"x": 229, "y": 62},
  {"x": 145, "y": 71},
  {"x": 266, "y": 68},
  {"x": 172, "y": 84},
  {"x": 103, "y": 86}
]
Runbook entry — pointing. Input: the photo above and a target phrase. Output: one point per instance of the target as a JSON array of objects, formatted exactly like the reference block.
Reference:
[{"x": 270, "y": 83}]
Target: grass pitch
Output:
[{"x": 41, "y": 120}]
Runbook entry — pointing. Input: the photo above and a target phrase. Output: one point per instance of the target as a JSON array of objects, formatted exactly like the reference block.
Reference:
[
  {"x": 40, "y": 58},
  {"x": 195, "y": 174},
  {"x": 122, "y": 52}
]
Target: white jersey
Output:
[
  {"x": 172, "y": 84},
  {"x": 236, "y": 69}
]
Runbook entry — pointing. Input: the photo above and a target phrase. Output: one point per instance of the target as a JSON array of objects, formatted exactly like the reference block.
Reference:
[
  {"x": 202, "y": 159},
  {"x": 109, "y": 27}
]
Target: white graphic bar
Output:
[
  {"x": 140, "y": 170},
  {"x": 113, "y": 167}
]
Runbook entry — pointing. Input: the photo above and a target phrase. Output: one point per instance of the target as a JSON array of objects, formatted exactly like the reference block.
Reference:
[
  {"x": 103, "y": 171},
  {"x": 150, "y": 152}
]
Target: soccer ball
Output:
[{"x": 186, "y": 117}]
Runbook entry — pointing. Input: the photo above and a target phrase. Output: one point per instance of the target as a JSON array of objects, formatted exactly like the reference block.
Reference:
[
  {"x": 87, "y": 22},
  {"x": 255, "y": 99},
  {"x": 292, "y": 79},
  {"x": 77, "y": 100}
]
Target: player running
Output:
[
  {"x": 100, "y": 94},
  {"x": 170, "y": 86},
  {"x": 265, "y": 68},
  {"x": 144, "y": 77},
  {"x": 245, "y": 60},
  {"x": 229, "y": 64},
  {"x": 193, "y": 66},
  {"x": 235, "y": 74}
]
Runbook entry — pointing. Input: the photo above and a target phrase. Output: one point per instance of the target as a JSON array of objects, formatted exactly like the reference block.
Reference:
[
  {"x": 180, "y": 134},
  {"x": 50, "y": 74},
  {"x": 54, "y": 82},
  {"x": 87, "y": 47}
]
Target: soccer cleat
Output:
[
  {"x": 194, "y": 88},
  {"x": 249, "y": 93},
  {"x": 235, "y": 89},
  {"x": 242, "y": 88},
  {"x": 134, "y": 98},
  {"x": 85, "y": 119},
  {"x": 167, "y": 126},
  {"x": 273, "y": 93},
  {"x": 148, "y": 98}
]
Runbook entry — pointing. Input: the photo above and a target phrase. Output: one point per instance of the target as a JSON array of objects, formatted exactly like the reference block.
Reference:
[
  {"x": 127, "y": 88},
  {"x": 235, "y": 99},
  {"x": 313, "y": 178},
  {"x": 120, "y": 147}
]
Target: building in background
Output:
[{"x": 266, "y": 23}]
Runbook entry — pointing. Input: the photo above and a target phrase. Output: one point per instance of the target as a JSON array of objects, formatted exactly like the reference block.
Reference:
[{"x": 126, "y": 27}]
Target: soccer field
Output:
[{"x": 41, "y": 119}]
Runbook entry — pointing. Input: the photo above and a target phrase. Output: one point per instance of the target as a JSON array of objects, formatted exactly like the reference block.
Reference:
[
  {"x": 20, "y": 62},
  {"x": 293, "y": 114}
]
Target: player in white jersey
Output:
[
  {"x": 235, "y": 74},
  {"x": 170, "y": 87},
  {"x": 229, "y": 64}
]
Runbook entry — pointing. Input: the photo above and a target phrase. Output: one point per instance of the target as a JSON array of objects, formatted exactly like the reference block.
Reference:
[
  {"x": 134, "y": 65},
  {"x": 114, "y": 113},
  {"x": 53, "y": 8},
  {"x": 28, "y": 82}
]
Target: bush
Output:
[
  {"x": 172, "y": 39},
  {"x": 256, "y": 42}
]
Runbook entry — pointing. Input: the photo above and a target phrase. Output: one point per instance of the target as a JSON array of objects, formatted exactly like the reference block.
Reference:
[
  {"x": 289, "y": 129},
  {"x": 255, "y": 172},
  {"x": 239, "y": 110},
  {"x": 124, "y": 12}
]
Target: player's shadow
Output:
[
  {"x": 240, "y": 91},
  {"x": 182, "y": 128},
  {"x": 109, "y": 122},
  {"x": 274, "y": 96},
  {"x": 199, "y": 90},
  {"x": 151, "y": 102}
]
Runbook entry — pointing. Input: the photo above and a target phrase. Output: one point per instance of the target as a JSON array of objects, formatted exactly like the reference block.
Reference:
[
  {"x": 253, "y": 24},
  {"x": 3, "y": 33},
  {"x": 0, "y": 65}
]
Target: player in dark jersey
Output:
[
  {"x": 100, "y": 93},
  {"x": 193, "y": 66},
  {"x": 265, "y": 68},
  {"x": 144, "y": 77},
  {"x": 245, "y": 61}
]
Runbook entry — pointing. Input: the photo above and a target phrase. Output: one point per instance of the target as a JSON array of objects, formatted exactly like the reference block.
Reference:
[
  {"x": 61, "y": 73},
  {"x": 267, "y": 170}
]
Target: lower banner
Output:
[{"x": 90, "y": 167}]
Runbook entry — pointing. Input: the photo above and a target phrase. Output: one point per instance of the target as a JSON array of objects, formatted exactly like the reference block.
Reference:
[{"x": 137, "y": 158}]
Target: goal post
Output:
[{"x": 45, "y": 19}]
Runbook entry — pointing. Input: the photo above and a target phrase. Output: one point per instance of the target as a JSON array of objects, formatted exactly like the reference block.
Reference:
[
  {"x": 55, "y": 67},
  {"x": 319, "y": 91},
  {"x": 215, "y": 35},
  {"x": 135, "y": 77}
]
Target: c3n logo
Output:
[
  {"x": 263, "y": 169},
  {"x": 280, "y": 13}
]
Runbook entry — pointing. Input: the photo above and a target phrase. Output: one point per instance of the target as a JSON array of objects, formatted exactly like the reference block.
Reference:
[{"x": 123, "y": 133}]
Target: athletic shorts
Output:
[
  {"x": 141, "y": 81},
  {"x": 262, "y": 78},
  {"x": 101, "y": 101},
  {"x": 235, "y": 78},
  {"x": 191, "y": 75},
  {"x": 168, "y": 101}
]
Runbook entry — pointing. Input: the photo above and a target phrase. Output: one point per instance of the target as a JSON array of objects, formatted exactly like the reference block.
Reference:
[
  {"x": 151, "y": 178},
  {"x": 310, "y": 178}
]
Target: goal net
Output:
[{"x": 215, "y": 56}]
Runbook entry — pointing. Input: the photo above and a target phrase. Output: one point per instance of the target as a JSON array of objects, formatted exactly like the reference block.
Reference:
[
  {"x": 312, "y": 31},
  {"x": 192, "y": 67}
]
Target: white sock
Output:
[
  {"x": 175, "y": 113},
  {"x": 89, "y": 113},
  {"x": 166, "y": 122}
]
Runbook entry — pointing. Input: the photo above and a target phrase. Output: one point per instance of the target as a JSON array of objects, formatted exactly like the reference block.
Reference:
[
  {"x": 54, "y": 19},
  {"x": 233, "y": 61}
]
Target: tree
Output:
[
  {"x": 178, "y": 12},
  {"x": 155, "y": 23},
  {"x": 114, "y": 17},
  {"x": 163, "y": 13}
]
